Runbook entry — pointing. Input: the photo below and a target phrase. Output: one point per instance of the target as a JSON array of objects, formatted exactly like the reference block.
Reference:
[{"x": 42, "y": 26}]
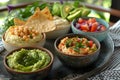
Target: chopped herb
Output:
[
  {"x": 68, "y": 43},
  {"x": 79, "y": 44},
  {"x": 76, "y": 49},
  {"x": 76, "y": 3}
]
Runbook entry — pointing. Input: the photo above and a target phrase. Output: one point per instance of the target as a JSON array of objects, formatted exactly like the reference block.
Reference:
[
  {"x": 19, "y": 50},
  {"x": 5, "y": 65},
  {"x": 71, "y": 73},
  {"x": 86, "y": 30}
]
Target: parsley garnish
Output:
[
  {"x": 77, "y": 47},
  {"x": 68, "y": 43}
]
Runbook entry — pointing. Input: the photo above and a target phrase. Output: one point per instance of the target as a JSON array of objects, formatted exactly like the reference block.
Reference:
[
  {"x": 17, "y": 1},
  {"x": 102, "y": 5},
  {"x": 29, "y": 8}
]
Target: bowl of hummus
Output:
[
  {"x": 19, "y": 36},
  {"x": 77, "y": 50},
  {"x": 29, "y": 63},
  {"x": 62, "y": 28}
]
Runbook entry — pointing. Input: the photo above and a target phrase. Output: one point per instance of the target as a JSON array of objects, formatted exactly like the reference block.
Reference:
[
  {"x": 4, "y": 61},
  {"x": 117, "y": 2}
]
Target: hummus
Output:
[
  {"x": 60, "y": 23},
  {"x": 77, "y": 46},
  {"x": 20, "y": 35},
  {"x": 26, "y": 60}
]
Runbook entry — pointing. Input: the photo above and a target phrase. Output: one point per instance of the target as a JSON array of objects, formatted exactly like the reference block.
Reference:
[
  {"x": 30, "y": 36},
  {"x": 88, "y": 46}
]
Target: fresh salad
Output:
[
  {"x": 66, "y": 10},
  {"x": 89, "y": 25}
]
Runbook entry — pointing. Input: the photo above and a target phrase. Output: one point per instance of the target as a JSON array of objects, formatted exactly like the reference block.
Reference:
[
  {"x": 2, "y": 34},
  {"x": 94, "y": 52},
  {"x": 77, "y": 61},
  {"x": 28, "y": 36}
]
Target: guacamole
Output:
[{"x": 26, "y": 60}]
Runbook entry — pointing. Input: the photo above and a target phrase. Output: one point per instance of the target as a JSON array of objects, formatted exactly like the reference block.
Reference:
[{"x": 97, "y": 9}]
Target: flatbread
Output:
[
  {"x": 19, "y": 22},
  {"x": 40, "y": 22},
  {"x": 47, "y": 13}
]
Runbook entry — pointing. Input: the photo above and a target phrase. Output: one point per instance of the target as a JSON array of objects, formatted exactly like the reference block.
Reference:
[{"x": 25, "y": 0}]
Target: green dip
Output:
[{"x": 26, "y": 60}]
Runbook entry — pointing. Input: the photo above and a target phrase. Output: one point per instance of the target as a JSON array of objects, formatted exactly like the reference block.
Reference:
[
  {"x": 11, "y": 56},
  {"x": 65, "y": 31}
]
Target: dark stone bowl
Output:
[
  {"x": 35, "y": 75},
  {"x": 77, "y": 61}
]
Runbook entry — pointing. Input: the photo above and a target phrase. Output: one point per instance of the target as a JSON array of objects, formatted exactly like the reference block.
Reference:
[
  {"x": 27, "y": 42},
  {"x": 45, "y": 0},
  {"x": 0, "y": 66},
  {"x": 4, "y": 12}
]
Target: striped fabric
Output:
[
  {"x": 115, "y": 33},
  {"x": 1, "y": 46},
  {"x": 112, "y": 71}
]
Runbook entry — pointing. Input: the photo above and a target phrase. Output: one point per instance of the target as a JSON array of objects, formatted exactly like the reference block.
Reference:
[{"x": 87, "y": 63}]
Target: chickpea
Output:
[
  {"x": 20, "y": 29},
  {"x": 16, "y": 28},
  {"x": 33, "y": 34},
  {"x": 33, "y": 37},
  {"x": 33, "y": 30},
  {"x": 21, "y": 34},
  {"x": 24, "y": 37},
  {"x": 25, "y": 30},
  {"x": 16, "y": 32},
  {"x": 12, "y": 32},
  {"x": 36, "y": 32},
  {"x": 28, "y": 36}
]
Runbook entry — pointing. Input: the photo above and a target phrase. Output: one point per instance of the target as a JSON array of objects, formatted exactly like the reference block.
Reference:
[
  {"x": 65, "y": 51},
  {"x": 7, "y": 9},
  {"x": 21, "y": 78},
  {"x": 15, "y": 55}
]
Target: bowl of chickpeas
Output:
[
  {"x": 77, "y": 50},
  {"x": 20, "y": 36}
]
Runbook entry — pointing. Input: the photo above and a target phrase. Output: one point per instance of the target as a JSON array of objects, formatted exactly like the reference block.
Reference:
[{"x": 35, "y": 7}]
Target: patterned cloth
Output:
[
  {"x": 1, "y": 46},
  {"x": 107, "y": 75},
  {"x": 115, "y": 33},
  {"x": 113, "y": 72}
]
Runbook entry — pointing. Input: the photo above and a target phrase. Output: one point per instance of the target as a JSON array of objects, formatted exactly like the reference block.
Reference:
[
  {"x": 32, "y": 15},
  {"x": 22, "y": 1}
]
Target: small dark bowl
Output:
[
  {"x": 38, "y": 74},
  {"x": 77, "y": 61},
  {"x": 100, "y": 36}
]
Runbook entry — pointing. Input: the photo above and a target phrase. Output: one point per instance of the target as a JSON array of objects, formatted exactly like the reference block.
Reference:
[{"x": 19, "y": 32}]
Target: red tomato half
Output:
[
  {"x": 90, "y": 43},
  {"x": 103, "y": 28},
  {"x": 90, "y": 25},
  {"x": 84, "y": 27},
  {"x": 91, "y": 20},
  {"x": 80, "y": 20}
]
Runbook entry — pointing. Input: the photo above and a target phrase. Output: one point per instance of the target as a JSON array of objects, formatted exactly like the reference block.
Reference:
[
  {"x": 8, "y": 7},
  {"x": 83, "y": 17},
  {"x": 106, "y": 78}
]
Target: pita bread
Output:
[
  {"x": 19, "y": 22},
  {"x": 47, "y": 13},
  {"x": 40, "y": 22}
]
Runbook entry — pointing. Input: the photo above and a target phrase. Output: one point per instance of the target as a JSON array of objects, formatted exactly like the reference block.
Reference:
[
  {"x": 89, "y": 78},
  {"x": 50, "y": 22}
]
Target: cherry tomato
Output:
[
  {"x": 90, "y": 43},
  {"x": 91, "y": 20},
  {"x": 103, "y": 28},
  {"x": 84, "y": 27},
  {"x": 89, "y": 25},
  {"x": 80, "y": 20},
  {"x": 93, "y": 28}
]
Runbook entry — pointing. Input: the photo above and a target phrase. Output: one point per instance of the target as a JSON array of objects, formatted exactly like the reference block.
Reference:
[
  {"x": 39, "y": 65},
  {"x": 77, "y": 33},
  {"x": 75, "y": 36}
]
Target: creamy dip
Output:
[
  {"x": 60, "y": 23},
  {"x": 77, "y": 46},
  {"x": 20, "y": 35},
  {"x": 26, "y": 60}
]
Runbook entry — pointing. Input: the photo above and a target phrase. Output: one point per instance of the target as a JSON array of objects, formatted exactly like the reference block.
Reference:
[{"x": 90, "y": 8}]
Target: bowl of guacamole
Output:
[{"x": 29, "y": 62}]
